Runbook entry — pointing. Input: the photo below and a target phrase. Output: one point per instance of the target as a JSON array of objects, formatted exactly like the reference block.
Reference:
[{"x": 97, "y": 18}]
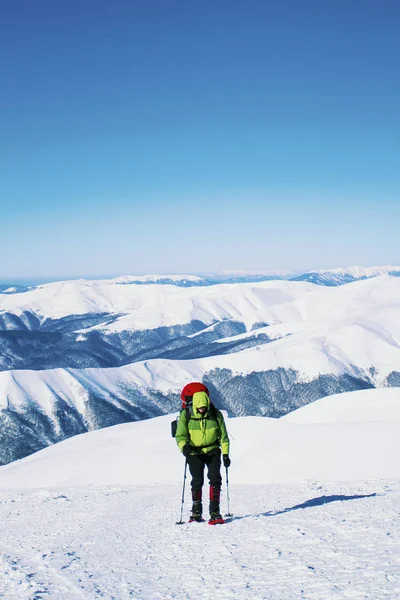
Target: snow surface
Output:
[
  {"x": 308, "y": 541},
  {"x": 351, "y": 407},
  {"x": 94, "y": 516}
]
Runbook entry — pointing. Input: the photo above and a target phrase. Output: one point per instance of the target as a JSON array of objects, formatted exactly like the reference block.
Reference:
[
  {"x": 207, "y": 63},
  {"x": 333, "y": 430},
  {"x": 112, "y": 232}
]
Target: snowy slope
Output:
[
  {"x": 281, "y": 450},
  {"x": 100, "y": 521},
  {"x": 353, "y": 407}
]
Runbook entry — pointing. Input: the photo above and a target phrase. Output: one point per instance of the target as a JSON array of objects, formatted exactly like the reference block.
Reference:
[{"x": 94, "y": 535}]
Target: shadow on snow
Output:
[{"x": 319, "y": 501}]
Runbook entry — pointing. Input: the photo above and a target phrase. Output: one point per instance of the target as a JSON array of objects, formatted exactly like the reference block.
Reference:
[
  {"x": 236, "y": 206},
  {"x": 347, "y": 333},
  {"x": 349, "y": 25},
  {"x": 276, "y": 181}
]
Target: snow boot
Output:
[
  {"x": 216, "y": 519},
  {"x": 215, "y": 516},
  {"x": 214, "y": 499},
  {"x": 197, "y": 507}
]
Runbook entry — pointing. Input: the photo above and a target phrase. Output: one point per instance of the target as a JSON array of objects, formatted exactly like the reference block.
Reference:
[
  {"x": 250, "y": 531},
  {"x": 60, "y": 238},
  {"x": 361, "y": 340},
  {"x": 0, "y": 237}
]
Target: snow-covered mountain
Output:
[
  {"x": 314, "y": 502},
  {"x": 330, "y": 277},
  {"x": 101, "y": 324},
  {"x": 334, "y": 277},
  {"x": 351, "y": 407},
  {"x": 12, "y": 289},
  {"x": 205, "y": 278},
  {"x": 180, "y": 280},
  {"x": 263, "y": 349}
]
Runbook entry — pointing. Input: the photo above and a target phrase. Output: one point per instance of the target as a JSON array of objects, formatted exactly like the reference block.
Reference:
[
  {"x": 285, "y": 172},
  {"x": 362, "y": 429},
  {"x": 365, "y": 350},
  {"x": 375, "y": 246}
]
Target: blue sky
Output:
[{"x": 184, "y": 136}]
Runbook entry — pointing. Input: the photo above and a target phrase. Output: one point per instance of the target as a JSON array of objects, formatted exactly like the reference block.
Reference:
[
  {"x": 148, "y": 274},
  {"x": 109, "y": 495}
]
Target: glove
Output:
[
  {"x": 186, "y": 450},
  {"x": 226, "y": 460}
]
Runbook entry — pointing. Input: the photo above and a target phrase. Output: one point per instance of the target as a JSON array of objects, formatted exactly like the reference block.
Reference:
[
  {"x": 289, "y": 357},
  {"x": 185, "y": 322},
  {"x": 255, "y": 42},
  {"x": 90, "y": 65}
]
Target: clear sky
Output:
[{"x": 185, "y": 136}]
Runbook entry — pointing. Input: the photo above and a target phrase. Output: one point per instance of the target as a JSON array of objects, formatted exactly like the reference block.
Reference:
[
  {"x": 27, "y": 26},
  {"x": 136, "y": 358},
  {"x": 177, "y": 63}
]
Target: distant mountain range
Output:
[
  {"x": 335, "y": 277},
  {"x": 80, "y": 355},
  {"x": 330, "y": 277}
]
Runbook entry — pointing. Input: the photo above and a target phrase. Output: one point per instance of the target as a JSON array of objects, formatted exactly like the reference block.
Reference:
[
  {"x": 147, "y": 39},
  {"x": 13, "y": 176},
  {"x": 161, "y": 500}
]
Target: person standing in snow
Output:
[{"x": 202, "y": 437}]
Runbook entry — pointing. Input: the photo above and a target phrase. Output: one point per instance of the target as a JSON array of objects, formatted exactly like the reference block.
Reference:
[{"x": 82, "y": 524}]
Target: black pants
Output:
[{"x": 197, "y": 462}]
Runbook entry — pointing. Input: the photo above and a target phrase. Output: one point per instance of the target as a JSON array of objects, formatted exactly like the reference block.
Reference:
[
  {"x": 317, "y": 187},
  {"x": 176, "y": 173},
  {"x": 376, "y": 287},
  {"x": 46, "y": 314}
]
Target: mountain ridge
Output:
[{"x": 336, "y": 276}]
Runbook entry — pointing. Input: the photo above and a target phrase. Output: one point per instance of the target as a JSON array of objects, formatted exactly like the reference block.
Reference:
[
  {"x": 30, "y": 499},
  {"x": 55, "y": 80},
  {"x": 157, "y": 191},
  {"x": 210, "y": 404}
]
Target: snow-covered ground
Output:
[
  {"x": 315, "y": 504},
  {"x": 289, "y": 542}
]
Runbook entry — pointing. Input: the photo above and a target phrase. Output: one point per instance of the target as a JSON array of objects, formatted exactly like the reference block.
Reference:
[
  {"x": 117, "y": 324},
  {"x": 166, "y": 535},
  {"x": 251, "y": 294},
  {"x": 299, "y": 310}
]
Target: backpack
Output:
[
  {"x": 189, "y": 390},
  {"x": 187, "y": 397}
]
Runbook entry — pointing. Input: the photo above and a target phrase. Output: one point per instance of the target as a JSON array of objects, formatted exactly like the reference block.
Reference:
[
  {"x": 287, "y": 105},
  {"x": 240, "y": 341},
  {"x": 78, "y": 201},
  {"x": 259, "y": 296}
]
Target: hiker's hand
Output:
[
  {"x": 227, "y": 460},
  {"x": 186, "y": 450}
]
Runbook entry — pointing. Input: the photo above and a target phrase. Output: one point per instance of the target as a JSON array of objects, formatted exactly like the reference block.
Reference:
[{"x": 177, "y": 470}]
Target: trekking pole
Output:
[
  {"x": 228, "y": 514},
  {"x": 183, "y": 494}
]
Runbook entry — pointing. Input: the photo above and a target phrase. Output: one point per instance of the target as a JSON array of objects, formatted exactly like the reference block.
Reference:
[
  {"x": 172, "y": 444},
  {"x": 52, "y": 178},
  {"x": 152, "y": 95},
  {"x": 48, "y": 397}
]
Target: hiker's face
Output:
[{"x": 202, "y": 409}]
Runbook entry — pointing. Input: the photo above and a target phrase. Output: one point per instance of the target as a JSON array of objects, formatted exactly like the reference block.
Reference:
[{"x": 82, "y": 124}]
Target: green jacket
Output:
[{"x": 203, "y": 431}]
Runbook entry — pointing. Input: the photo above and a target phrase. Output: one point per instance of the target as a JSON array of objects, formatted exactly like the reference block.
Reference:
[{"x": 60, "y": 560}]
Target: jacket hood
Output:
[{"x": 200, "y": 399}]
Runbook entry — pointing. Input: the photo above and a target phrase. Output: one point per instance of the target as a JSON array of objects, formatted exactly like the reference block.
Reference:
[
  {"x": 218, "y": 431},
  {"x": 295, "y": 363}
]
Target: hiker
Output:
[{"x": 201, "y": 436}]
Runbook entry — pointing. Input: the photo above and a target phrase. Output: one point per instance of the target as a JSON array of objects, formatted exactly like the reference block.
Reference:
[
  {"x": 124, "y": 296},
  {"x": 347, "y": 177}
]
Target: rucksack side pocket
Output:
[{"x": 174, "y": 427}]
